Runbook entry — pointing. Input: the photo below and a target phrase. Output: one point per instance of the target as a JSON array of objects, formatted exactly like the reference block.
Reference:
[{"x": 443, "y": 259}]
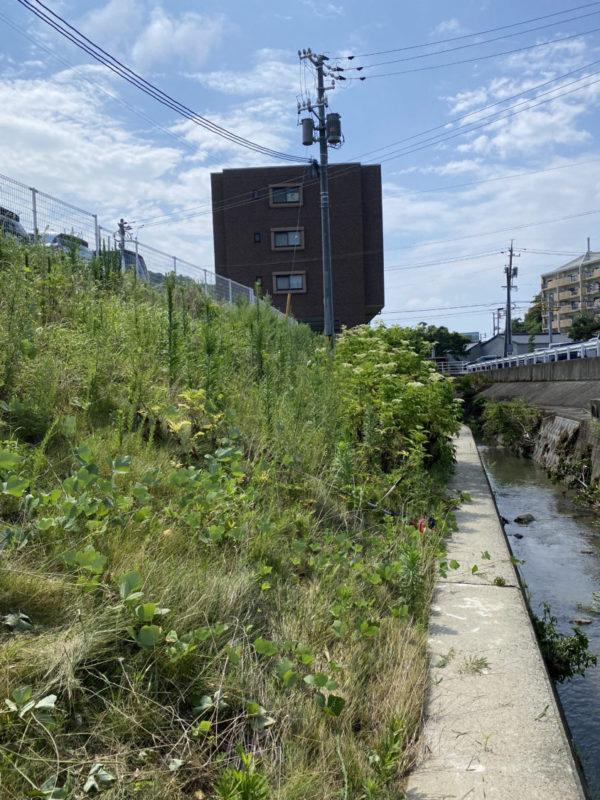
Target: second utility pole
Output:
[{"x": 510, "y": 274}]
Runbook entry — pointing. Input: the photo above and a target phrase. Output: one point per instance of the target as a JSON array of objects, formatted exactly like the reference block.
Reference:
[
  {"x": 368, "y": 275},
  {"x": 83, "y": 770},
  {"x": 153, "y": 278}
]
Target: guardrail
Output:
[
  {"x": 565, "y": 352},
  {"x": 39, "y": 212}
]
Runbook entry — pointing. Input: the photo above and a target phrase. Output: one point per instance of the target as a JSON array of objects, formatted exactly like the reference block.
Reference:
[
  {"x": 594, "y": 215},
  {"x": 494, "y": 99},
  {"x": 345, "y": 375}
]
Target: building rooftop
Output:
[{"x": 580, "y": 261}]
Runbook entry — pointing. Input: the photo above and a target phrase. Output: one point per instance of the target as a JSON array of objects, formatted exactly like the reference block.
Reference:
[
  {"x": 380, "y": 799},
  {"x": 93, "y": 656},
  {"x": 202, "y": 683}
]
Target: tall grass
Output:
[{"x": 198, "y": 565}]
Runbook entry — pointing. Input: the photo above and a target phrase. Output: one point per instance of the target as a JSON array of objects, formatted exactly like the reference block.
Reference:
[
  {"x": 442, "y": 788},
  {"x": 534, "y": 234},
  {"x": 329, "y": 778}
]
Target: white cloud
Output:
[
  {"x": 272, "y": 74},
  {"x": 112, "y": 25},
  {"x": 324, "y": 9},
  {"x": 188, "y": 40},
  {"x": 449, "y": 27},
  {"x": 126, "y": 28}
]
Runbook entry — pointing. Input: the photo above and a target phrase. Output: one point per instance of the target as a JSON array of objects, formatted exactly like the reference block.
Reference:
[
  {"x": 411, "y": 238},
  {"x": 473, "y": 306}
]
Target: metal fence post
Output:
[
  {"x": 230, "y": 293},
  {"x": 205, "y": 283},
  {"x": 96, "y": 234},
  {"x": 34, "y": 212}
]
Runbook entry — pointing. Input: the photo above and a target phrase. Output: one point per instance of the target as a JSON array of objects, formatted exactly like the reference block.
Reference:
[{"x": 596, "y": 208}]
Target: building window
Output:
[
  {"x": 282, "y": 239},
  {"x": 285, "y": 195},
  {"x": 257, "y": 238},
  {"x": 573, "y": 278},
  {"x": 289, "y": 282}
]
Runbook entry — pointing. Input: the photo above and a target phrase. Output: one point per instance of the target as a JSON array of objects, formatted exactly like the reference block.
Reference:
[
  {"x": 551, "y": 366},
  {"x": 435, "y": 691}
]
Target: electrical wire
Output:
[
  {"x": 244, "y": 200},
  {"x": 97, "y": 86},
  {"x": 465, "y": 35},
  {"x": 471, "y": 44},
  {"x": 26, "y": 4},
  {"x": 477, "y": 59},
  {"x": 497, "y": 117},
  {"x": 502, "y": 177},
  {"x": 96, "y": 52},
  {"x": 479, "y": 111}
]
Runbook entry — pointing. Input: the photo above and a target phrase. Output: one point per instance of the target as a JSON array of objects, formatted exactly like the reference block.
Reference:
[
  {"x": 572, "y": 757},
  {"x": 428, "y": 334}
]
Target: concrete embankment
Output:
[
  {"x": 493, "y": 729},
  {"x": 568, "y": 432}
]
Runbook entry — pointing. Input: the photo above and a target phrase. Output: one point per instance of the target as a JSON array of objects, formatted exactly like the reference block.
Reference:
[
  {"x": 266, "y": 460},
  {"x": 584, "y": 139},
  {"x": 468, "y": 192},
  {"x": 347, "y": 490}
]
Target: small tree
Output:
[
  {"x": 532, "y": 321},
  {"x": 443, "y": 340},
  {"x": 585, "y": 325}
]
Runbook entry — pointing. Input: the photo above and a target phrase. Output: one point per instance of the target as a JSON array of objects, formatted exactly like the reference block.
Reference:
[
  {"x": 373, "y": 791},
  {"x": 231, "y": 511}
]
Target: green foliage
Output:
[
  {"x": 532, "y": 321},
  {"x": 512, "y": 423},
  {"x": 242, "y": 784},
  {"x": 441, "y": 340},
  {"x": 585, "y": 325},
  {"x": 566, "y": 655},
  {"x": 206, "y": 539}
]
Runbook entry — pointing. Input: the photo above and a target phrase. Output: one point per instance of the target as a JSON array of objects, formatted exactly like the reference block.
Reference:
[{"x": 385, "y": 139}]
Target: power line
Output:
[
  {"x": 471, "y": 44},
  {"x": 448, "y": 308},
  {"x": 497, "y": 117},
  {"x": 95, "y": 84},
  {"x": 503, "y": 177},
  {"x": 472, "y": 60},
  {"x": 109, "y": 61},
  {"x": 466, "y": 35}
]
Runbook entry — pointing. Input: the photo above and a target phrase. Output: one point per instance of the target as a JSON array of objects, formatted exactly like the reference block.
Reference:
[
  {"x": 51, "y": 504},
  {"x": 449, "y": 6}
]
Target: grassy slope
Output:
[{"x": 188, "y": 523}]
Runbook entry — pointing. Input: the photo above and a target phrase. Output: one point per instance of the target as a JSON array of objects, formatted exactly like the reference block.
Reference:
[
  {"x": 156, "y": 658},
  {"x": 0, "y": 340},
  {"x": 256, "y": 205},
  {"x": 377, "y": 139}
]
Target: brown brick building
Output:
[{"x": 267, "y": 228}]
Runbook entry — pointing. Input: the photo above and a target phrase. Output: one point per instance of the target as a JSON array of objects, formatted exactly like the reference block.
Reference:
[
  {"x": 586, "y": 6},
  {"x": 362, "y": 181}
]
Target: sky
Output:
[{"x": 483, "y": 115}]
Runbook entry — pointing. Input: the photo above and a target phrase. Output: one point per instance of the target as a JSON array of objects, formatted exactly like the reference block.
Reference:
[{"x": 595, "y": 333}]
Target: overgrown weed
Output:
[{"x": 206, "y": 529}]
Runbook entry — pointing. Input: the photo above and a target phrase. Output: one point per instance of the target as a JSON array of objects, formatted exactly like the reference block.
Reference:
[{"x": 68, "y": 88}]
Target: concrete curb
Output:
[{"x": 493, "y": 729}]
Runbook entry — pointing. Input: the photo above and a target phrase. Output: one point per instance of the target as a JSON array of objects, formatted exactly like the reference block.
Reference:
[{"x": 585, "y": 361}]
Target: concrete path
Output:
[{"x": 492, "y": 729}]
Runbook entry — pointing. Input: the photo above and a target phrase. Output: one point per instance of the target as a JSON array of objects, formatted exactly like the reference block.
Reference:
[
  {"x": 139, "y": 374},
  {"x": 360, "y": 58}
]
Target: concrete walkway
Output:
[{"x": 492, "y": 729}]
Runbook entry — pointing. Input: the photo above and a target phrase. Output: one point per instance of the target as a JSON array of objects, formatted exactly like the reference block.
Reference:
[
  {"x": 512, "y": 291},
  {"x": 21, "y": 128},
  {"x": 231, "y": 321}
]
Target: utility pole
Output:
[
  {"x": 510, "y": 272},
  {"x": 550, "y": 320},
  {"x": 329, "y": 133},
  {"x": 123, "y": 227}
]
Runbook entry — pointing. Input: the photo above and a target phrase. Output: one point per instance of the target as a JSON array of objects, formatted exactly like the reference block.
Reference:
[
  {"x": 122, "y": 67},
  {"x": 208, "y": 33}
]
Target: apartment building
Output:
[
  {"x": 571, "y": 289},
  {"x": 267, "y": 231}
]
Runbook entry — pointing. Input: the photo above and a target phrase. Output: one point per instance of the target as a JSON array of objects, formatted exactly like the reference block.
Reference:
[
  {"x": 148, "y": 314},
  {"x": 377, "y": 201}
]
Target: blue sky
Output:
[{"x": 453, "y": 198}]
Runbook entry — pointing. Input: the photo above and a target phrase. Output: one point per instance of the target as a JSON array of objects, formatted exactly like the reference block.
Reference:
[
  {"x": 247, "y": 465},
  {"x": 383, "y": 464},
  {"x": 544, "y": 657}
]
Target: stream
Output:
[{"x": 561, "y": 551}]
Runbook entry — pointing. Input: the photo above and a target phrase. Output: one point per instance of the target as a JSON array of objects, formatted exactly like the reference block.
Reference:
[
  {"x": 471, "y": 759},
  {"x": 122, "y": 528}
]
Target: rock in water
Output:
[{"x": 524, "y": 519}]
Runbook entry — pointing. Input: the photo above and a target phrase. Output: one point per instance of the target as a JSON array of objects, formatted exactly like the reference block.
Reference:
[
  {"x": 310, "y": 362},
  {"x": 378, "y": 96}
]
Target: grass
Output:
[{"x": 224, "y": 600}]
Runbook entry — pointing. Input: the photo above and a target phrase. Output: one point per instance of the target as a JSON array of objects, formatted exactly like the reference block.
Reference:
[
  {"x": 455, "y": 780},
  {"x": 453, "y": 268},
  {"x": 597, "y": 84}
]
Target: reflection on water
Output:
[{"x": 561, "y": 550}]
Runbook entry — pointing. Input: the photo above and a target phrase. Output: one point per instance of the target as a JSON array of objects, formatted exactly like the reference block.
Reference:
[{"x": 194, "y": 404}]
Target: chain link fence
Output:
[{"x": 40, "y": 214}]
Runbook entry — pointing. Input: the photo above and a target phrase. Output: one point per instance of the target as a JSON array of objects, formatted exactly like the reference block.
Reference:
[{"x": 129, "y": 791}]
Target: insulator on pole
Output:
[
  {"x": 308, "y": 128},
  {"x": 334, "y": 129}
]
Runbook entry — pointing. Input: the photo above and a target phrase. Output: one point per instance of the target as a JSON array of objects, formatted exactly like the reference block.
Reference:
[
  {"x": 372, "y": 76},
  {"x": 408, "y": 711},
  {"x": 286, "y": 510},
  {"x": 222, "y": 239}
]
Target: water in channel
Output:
[{"x": 561, "y": 551}]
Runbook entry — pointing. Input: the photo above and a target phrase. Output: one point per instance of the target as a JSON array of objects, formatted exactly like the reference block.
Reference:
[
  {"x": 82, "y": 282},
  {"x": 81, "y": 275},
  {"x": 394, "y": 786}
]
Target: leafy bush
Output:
[
  {"x": 512, "y": 423},
  {"x": 566, "y": 655}
]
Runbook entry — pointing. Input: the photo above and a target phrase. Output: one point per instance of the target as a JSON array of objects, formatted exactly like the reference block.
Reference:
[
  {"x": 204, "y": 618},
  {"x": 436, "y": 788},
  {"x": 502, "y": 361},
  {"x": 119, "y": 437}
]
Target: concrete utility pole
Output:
[
  {"x": 329, "y": 133},
  {"x": 550, "y": 320},
  {"x": 511, "y": 272},
  {"x": 123, "y": 226}
]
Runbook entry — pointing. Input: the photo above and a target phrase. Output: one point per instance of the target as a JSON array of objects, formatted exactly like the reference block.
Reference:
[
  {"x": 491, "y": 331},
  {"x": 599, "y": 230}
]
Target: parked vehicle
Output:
[
  {"x": 136, "y": 260},
  {"x": 68, "y": 243},
  {"x": 10, "y": 225}
]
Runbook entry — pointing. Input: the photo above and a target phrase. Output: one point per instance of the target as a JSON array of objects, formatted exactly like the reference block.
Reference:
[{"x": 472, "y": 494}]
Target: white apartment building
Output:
[{"x": 569, "y": 290}]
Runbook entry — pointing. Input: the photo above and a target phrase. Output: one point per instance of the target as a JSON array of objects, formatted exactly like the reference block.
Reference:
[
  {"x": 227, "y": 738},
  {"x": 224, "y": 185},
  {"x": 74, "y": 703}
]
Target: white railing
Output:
[{"x": 563, "y": 352}]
